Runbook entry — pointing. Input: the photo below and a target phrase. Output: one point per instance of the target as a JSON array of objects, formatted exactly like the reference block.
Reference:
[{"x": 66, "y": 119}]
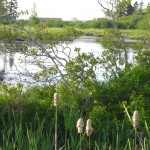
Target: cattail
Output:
[
  {"x": 80, "y": 125},
  {"x": 89, "y": 128},
  {"x": 56, "y": 99},
  {"x": 135, "y": 119}
]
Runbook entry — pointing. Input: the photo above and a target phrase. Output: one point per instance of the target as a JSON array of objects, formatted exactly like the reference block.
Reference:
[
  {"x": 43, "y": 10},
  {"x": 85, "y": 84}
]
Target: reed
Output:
[
  {"x": 38, "y": 133},
  {"x": 34, "y": 136},
  {"x": 56, "y": 102},
  {"x": 89, "y": 131},
  {"x": 80, "y": 125},
  {"x": 135, "y": 125}
]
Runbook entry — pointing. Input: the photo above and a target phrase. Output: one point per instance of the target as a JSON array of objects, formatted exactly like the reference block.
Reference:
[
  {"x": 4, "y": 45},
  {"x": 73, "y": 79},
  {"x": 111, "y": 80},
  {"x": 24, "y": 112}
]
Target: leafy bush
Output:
[
  {"x": 54, "y": 23},
  {"x": 97, "y": 23},
  {"x": 143, "y": 23},
  {"x": 34, "y": 21},
  {"x": 128, "y": 21}
]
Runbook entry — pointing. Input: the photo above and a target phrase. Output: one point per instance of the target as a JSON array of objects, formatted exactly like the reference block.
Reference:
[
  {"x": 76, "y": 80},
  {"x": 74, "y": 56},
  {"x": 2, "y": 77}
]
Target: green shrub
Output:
[
  {"x": 128, "y": 21},
  {"x": 99, "y": 23},
  {"x": 144, "y": 23},
  {"x": 54, "y": 23},
  {"x": 34, "y": 21}
]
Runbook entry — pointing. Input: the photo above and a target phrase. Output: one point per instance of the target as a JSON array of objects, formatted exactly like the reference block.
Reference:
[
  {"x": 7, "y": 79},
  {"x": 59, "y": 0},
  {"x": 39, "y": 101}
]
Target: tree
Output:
[
  {"x": 53, "y": 58},
  {"x": 138, "y": 7},
  {"x": 114, "y": 9},
  {"x": 1, "y": 10},
  {"x": 148, "y": 8},
  {"x": 117, "y": 7},
  {"x": 34, "y": 11},
  {"x": 135, "y": 6},
  {"x": 129, "y": 10},
  {"x": 124, "y": 7},
  {"x": 33, "y": 19},
  {"x": 1, "y": 7},
  {"x": 115, "y": 57},
  {"x": 8, "y": 10}
]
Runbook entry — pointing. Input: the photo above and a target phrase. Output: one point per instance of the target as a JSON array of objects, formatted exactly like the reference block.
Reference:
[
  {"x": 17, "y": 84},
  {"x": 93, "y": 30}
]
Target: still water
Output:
[{"x": 12, "y": 69}]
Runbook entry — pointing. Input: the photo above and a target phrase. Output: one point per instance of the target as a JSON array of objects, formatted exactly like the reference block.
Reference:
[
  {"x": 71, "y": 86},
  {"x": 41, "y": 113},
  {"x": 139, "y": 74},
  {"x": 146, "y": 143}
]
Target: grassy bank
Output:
[
  {"x": 131, "y": 33},
  {"x": 66, "y": 33},
  {"x": 10, "y": 33}
]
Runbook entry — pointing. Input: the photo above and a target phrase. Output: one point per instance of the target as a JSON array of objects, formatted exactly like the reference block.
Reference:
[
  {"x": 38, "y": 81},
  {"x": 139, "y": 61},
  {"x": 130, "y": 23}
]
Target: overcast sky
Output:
[{"x": 65, "y": 9}]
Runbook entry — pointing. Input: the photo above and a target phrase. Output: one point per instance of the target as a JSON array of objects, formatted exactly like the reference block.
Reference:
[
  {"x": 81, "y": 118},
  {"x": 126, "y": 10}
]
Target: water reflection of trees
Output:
[
  {"x": 2, "y": 75},
  {"x": 11, "y": 60},
  {"x": 8, "y": 61}
]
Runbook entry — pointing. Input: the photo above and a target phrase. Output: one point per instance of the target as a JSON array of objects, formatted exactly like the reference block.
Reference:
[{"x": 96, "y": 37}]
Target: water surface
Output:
[{"x": 12, "y": 68}]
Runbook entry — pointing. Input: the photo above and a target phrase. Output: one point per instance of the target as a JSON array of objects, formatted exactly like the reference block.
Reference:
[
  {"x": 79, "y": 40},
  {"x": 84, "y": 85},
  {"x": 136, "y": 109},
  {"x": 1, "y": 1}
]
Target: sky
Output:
[{"x": 65, "y": 9}]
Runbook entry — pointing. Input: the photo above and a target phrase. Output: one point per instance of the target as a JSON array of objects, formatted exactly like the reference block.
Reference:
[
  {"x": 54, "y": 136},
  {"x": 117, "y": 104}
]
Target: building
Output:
[{"x": 41, "y": 19}]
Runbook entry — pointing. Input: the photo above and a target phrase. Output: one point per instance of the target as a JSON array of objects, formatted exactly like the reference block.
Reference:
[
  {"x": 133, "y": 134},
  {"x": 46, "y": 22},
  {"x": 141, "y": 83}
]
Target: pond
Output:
[{"x": 11, "y": 67}]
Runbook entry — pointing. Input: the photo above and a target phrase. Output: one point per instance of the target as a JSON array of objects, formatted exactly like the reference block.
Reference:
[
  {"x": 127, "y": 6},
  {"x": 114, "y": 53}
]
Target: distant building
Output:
[
  {"x": 98, "y": 18},
  {"x": 41, "y": 19}
]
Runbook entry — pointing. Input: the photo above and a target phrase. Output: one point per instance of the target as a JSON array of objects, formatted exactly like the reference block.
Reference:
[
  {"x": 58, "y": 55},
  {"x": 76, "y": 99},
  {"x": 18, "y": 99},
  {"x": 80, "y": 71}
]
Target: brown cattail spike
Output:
[
  {"x": 89, "y": 127},
  {"x": 56, "y": 99},
  {"x": 135, "y": 119},
  {"x": 80, "y": 125}
]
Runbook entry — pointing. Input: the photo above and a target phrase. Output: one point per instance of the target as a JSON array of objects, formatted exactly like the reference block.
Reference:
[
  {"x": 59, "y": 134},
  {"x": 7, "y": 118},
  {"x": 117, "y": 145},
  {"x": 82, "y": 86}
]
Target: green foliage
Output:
[
  {"x": 33, "y": 100},
  {"x": 8, "y": 7},
  {"x": 22, "y": 22},
  {"x": 7, "y": 34},
  {"x": 33, "y": 136},
  {"x": 24, "y": 134},
  {"x": 143, "y": 23},
  {"x": 113, "y": 58},
  {"x": 95, "y": 23},
  {"x": 34, "y": 21},
  {"x": 54, "y": 23},
  {"x": 124, "y": 7},
  {"x": 128, "y": 22}
]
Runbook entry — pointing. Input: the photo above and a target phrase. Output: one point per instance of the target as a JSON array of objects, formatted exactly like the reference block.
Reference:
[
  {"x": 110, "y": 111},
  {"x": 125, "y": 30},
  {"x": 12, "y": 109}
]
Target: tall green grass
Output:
[
  {"x": 38, "y": 135},
  {"x": 20, "y": 136}
]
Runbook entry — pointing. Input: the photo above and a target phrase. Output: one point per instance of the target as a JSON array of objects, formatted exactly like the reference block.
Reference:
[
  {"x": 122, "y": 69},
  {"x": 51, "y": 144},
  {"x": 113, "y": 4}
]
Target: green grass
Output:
[
  {"x": 21, "y": 133},
  {"x": 69, "y": 32},
  {"x": 27, "y": 121},
  {"x": 131, "y": 33},
  {"x": 92, "y": 31},
  {"x": 136, "y": 34},
  {"x": 11, "y": 32}
]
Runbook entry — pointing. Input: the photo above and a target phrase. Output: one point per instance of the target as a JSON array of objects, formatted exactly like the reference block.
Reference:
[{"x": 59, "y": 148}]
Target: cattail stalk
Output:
[
  {"x": 135, "y": 125},
  {"x": 56, "y": 101},
  {"x": 56, "y": 129},
  {"x": 80, "y": 141},
  {"x": 80, "y": 125},
  {"x": 89, "y": 143},
  {"x": 89, "y": 130}
]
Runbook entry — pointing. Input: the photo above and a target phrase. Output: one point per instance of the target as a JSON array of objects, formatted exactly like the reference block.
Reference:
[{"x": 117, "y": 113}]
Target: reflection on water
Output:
[
  {"x": 11, "y": 66},
  {"x": 6, "y": 64},
  {"x": 11, "y": 60}
]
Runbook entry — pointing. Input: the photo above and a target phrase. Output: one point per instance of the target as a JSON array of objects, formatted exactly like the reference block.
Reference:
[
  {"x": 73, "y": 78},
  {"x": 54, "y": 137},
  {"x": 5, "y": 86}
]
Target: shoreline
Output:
[
  {"x": 89, "y": 37},
  {"x": 132, "y": 34}
]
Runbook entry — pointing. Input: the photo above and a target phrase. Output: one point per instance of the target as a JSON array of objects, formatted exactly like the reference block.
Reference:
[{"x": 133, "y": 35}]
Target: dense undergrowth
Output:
[{"x": 27, "y": 117}]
